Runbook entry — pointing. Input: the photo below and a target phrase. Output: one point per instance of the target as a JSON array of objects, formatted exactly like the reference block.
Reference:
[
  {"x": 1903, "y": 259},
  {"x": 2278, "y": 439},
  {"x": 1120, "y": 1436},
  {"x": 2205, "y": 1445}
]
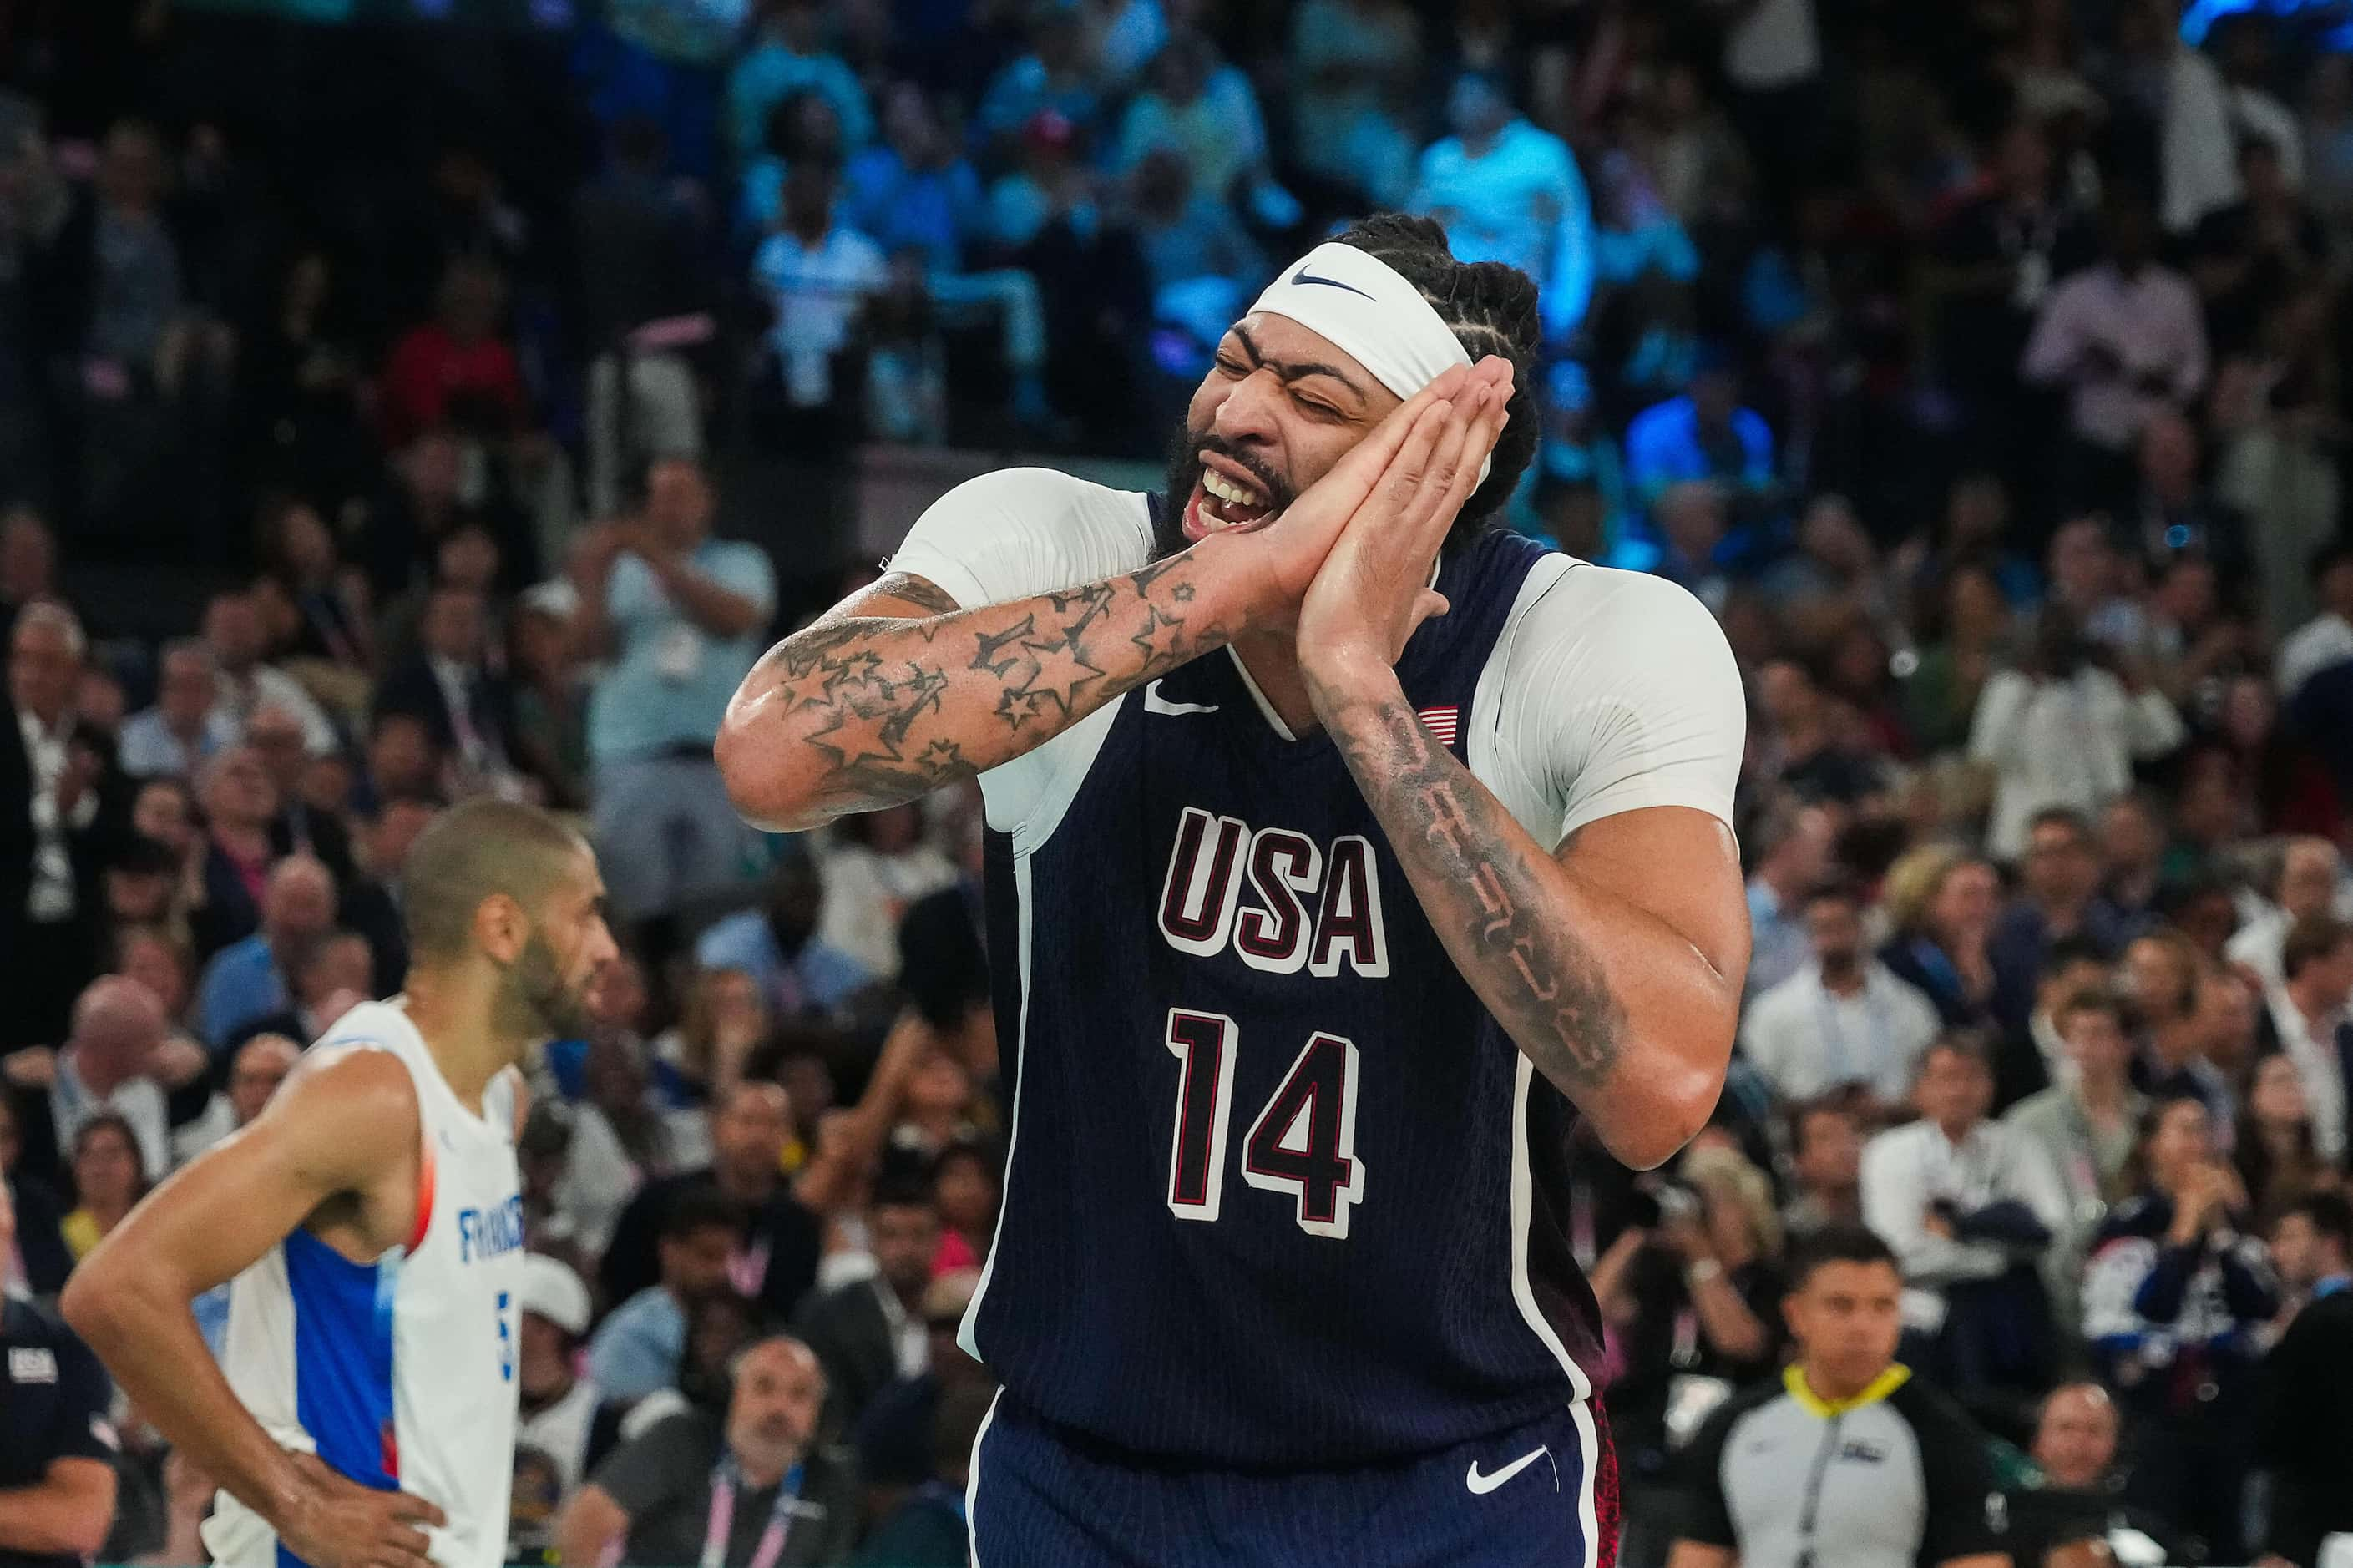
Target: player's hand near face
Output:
[
  {"x": 1278, "y": 558},
  {"x": 1372, "y": 590},
  {"x": 339, "y": 1524}
]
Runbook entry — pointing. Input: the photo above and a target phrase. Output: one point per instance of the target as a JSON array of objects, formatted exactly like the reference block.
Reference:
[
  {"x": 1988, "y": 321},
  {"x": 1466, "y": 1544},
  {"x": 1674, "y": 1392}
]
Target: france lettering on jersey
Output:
[
  {"x": 1280, "y": 1193},
  {"x": 398, "y": 1372}
]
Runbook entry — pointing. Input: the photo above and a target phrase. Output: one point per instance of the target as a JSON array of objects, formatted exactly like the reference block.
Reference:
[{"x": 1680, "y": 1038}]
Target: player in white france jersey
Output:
[{"x": 371, "y": 1221}]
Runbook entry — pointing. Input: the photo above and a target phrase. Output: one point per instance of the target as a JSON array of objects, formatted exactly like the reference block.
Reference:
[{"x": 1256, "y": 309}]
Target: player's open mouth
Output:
[{"x": 1223, "y": 500}]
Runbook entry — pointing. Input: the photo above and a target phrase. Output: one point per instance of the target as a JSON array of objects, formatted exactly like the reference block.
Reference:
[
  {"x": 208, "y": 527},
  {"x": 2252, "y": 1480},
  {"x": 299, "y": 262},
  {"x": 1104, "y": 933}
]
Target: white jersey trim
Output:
[
  {"x": 1523, "y": 1214},
  {"x": 967, "y": 1332}
]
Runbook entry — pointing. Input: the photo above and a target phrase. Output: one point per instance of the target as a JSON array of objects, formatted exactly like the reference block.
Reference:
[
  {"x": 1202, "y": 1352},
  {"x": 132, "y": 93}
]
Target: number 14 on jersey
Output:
[{"x": 1303, "y": 1141}]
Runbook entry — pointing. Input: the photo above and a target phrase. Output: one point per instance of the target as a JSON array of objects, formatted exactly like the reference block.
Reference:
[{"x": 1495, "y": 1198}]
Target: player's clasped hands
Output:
[
  {"x": 1372, "y": 588},
  {"x": 341, "y": 1524}
]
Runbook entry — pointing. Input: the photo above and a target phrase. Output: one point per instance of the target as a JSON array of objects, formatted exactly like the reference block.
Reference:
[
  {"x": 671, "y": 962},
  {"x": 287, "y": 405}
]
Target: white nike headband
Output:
[{"x": 1370, "y": 312}]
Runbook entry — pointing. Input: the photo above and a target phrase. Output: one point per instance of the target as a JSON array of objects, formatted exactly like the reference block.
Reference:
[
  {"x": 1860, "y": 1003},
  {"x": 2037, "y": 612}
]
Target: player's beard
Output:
[
  {"x": 536, "y": 1002},
  {"x": 1184, "y": 449}
]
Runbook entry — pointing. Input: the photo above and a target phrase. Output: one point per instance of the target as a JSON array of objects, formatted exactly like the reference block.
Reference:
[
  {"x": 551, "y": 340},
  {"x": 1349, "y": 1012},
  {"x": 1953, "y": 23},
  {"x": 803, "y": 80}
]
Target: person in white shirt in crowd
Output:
[
  {"x": 878, "y": 864},
  {"x": 2310, "y": 1015},
  {"x": 870, "y": 1333},
  {"x": 1792, "y": 845},
  {"x": 2315, "y": 672},
  {"x": 107, "y": 1064},
  {"x": 2123, "y": 337},
  {"x": 2304, "y": 883},
  {"x": 1825, "y": 1167},
  {"x": 1505, "y": 191},
  {"x": 1843, "y": 1021},
  {"x": 244, "y": 684},
  {"x": 2027, "y": 1064},
  {"x": 557, "y": 1406},
  {"x": 177, "y": 736},
  {"x": 2086, "y": 1125},
  {"x": 1962, "y": 1200},
  {"x": 2326, "y": 641},
  {"x": 816, "y": 276},
  {"x": 255, "y": 1071},
  {"x": 677, "y": 617},
  {"x": 2063, "y": 730}
]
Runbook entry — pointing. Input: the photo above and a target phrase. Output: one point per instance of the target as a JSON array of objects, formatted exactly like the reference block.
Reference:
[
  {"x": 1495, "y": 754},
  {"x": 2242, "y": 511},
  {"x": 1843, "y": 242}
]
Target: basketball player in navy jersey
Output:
[{"x": 1345, "y": 850}]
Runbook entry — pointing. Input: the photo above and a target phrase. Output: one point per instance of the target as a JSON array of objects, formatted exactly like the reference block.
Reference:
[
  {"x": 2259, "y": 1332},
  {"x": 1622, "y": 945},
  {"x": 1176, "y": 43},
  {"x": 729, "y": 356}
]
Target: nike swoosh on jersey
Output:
[
  {"x": 1156, "y": 703},
  {"x": 1482, "y": 1485}
]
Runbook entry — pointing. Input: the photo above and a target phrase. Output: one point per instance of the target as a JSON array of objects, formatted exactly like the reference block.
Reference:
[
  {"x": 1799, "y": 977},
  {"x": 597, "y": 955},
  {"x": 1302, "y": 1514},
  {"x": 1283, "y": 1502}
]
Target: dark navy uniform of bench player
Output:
[{"x": 1281, "y": 1276}]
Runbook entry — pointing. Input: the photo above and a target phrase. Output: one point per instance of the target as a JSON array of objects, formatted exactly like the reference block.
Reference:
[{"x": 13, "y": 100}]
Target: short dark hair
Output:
[
  {"x": 1966, "y": 1043},
  {"x": 2065, "y": 816},
  {"x": 2330, "y": 1213},
  {"x": 904, "y": 1190},
  {"x": 2087, "y": 1002},
  {"x": 1817, "y": 1249},
  {"x": 1803, "y": 1112},
  {"x": 2310, "y": 940},
  {"x": 1833, "y": 891},
  {"x": 474, "y": 851},
  {"x": 1492, "y": 307},
  {"x": 2073, "y": 949},
  {"x": 697, "y": 1210}
]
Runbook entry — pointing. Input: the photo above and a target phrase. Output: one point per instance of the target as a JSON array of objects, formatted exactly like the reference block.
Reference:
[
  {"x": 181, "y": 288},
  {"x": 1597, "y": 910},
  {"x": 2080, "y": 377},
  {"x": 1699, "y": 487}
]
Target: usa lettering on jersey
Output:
[
  {"x": 1310, "y": 907},
  {"x": 491, "y": 1232}
]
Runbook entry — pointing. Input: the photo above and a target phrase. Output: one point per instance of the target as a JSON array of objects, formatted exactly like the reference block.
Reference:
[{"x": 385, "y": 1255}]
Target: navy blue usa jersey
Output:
[{"x": 1280, "y": 1192}]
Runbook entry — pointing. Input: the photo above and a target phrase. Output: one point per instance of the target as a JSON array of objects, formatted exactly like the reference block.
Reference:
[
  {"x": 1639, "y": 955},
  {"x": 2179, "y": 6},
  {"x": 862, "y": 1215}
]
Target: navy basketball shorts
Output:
[{"x": 1541, "y": 1496}]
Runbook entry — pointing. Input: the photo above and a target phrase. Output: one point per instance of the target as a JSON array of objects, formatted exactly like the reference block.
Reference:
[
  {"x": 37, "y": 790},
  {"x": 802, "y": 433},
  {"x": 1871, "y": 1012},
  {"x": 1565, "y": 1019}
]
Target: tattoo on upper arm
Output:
[
  {"x": 883, "y": 721},
  {"x": 1554, "y": 996}
]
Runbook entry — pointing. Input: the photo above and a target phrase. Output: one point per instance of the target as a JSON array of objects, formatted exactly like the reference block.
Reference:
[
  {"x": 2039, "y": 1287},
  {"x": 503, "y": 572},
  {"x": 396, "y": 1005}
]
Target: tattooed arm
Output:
[
  {"x": 1615, "y": 965},
  {"x": 897, "y": 691}
]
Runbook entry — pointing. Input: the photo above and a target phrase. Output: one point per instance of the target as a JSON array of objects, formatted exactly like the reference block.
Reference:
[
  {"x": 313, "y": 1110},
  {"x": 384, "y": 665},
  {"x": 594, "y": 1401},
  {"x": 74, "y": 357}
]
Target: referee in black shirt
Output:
[
  {"x": 1844, "y": 1462},
  {"x": 56, "y": 1448}
]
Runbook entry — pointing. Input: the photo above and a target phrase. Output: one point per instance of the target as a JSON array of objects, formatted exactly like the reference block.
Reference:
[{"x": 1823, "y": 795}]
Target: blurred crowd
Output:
[{"x": 370, "y": 399}]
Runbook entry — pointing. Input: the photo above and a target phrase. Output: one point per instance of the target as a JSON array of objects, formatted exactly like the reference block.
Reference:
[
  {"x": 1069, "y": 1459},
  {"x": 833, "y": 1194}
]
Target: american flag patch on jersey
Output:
[{"x": 1443, "y": 723}]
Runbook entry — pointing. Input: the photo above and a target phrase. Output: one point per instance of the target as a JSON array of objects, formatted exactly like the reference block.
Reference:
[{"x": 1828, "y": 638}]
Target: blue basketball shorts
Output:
[{"x": 1541, "y": 1496}]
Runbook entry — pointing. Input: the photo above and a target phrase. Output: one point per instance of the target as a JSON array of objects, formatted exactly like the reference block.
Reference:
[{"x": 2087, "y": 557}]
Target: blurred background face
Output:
[
  {"x": 2179, "y": 1144},
  {"x": 1955, "y": 1089},
  {"x": 905, "y": 1236},
  {"x": 678, "y": 502},
  {"x": 2061, "y": 869},
  {"x": 2156, "y": 977},
  {"x": 1964, "y": 905},
  {"x": 2130, "y": 835},
  {"x": 966, "y": 1194},
  {"x": 541, "y": 1357},
  {"x": 2096, "y": 1041},
  {"x": 748, "y": 1135},
  {"x": 2276, "y": 1097},
  {"x": 105, "y": 1167},
  {"x": 275, "y": 736},
  {"x": 185, "y": 691},
  {"x": 233, "y": 628},
  {"x": 2308, "y": 878},
  {"x": 2296, "y": 1252},
  {"x": 1845, "y": 1319},
  {"x": 1835, "y": 930},
  {"x": 260, "y": 1068},
  {"x": 2075, "y": 1440},
  {"x": 453, "y": 626},
  {"x": 150, "y": 961},
  {"x": 696, "y": 1265},
  {"x": 1830, "y": 1157},
  {"x": 940, "y": 1087},
  {"x": 42, "y": 669},
  {"x": 773, "y": 1407}
]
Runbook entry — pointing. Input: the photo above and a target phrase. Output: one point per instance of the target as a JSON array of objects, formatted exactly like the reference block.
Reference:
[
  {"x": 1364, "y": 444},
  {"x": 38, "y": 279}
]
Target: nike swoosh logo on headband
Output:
[{"x": 1304, "y": 276}]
